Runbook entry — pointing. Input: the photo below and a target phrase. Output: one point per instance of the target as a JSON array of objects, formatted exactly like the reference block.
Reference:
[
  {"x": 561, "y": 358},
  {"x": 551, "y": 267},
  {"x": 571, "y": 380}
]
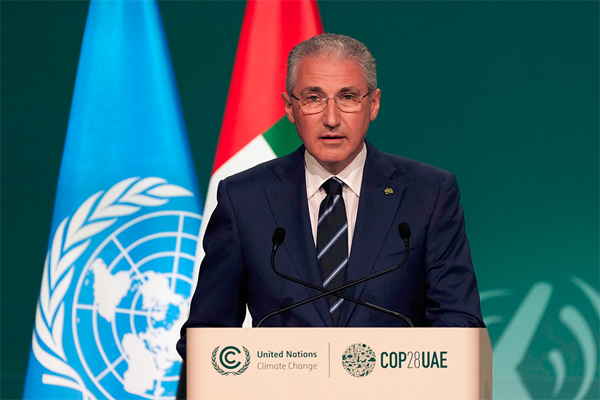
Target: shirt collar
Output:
[{"x": 351, "y": 175}]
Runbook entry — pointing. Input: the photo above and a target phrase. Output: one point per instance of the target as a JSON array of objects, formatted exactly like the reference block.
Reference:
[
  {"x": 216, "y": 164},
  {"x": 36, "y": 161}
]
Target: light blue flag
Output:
[{"x": 118, "y": 272}]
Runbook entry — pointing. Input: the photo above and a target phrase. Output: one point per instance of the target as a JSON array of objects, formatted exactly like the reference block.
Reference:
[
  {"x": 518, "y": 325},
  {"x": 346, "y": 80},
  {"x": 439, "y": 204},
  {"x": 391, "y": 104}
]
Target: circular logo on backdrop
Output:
[
  {"x": 231, "y": 359},
  {"x": 359, "y": 360},
  {"x": 555, "y": 328}
]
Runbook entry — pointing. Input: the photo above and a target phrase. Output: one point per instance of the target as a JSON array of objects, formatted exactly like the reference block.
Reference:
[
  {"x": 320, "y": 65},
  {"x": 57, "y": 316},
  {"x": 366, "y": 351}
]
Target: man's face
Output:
[{"x": 334, "y": 138}]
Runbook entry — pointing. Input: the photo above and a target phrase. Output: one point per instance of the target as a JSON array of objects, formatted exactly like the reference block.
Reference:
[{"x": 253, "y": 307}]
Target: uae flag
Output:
[{"x": 255, "y": 128}]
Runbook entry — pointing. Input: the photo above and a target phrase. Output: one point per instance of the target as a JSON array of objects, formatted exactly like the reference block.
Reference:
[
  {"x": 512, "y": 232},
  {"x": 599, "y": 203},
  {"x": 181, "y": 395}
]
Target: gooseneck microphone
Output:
[
  {"x": 279, "y": 236},
  {"x": 403, "y": 230}
]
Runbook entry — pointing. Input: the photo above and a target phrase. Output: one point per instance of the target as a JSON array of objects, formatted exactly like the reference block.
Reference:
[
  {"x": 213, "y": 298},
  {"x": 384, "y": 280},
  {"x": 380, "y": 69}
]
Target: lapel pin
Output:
[{"x": 388, "y": 191}]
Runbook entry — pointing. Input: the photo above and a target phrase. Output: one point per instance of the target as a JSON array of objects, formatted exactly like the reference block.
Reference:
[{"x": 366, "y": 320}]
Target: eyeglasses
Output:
[{"x": 315, "y": 103}]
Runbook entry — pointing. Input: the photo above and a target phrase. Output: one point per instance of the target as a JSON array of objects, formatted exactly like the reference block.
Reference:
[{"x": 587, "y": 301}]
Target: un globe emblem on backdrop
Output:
[
  {"x": 359, "y": 360},
  {"x": 131, "y": 299}
]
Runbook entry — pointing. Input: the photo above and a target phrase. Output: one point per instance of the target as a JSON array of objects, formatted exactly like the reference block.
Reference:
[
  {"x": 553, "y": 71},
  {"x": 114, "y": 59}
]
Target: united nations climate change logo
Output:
[
  {"x": 231, "y": 359},
  {"x": 130, "y": 299},
  {"x": 359, "y": 360}
]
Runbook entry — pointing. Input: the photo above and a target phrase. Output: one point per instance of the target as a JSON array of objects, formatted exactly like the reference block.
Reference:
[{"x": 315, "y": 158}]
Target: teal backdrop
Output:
[{"x": 503, "y": 94}]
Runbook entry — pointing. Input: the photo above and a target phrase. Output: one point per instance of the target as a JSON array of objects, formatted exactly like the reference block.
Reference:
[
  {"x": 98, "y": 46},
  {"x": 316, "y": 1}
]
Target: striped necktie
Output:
[{"x": 332, "y": 242}]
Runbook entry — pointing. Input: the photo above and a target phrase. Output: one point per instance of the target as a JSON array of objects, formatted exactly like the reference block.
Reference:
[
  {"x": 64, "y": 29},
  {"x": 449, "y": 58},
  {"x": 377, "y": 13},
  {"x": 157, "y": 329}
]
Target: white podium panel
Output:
[{"x": 339, "y": 363}]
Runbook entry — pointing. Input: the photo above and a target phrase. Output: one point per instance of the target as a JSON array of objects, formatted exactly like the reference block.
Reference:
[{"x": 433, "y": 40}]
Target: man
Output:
[{"x": 332, "y": 97}]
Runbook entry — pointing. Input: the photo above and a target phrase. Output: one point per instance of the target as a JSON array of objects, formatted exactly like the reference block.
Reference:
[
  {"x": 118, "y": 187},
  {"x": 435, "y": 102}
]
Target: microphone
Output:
[
  {"x": 403, "y": 230},
  {"x": 277, "y": 240},
  {"x": 279, "y": 236}
]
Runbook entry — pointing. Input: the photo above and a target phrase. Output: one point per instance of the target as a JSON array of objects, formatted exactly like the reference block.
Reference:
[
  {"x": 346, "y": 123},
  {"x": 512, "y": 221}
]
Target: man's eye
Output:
[
  {"x": 348, "y": 97},
  {"x": 312, "y": 99}
]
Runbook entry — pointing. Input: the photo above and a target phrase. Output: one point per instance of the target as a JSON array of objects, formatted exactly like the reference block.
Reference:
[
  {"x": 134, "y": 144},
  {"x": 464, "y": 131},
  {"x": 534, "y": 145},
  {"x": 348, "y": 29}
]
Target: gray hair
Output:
[{"x": 339, "y": 46}]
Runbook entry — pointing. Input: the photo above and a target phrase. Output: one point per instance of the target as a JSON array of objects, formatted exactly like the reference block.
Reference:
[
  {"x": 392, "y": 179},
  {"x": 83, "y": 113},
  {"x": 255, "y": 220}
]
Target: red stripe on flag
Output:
[{"x": 269, "y": 31}]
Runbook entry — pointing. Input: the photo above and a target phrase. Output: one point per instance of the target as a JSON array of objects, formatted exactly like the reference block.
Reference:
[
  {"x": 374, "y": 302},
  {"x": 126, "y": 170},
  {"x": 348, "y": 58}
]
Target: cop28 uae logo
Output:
[
  {"x": 359, "y": 360},
  {"x": 231, "y": 359}
]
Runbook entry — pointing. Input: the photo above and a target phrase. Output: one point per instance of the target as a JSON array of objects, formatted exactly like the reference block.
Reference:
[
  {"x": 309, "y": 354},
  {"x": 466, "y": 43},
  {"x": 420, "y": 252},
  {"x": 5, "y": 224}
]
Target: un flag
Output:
[{"x": 120, "y": 262}]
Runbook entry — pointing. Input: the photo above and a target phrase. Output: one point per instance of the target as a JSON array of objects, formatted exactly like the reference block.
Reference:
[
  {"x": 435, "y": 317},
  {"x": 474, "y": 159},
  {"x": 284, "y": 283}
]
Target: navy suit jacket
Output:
[{"x": 436, "y": 287}]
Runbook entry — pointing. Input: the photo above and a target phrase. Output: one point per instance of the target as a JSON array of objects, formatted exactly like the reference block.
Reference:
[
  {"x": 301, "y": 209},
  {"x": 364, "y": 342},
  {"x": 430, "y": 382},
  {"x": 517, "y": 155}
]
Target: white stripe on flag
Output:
[{"x": 255, "y": 152}]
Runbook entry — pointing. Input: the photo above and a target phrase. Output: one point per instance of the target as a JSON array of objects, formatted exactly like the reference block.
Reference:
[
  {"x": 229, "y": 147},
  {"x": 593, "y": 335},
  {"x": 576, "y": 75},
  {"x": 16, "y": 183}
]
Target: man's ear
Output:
[
  {"x": 375, "y": 98},
  {"x": 288, "y": 106}
]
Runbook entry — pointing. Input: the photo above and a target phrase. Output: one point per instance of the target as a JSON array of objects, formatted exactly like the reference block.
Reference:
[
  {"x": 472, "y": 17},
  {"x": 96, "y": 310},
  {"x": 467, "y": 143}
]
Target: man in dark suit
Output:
[{"x": 332, "y": 97}]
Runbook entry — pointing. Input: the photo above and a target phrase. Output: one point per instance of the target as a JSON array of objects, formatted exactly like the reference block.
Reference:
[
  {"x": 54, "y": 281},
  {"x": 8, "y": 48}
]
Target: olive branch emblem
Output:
[
  {"x": 240, "y": 371},
  {"x": 71, "y": 239}
]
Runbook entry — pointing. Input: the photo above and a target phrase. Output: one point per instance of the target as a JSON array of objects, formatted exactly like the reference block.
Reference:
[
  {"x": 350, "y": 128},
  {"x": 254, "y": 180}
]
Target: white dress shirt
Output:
[{"x": 352, "y": 175}]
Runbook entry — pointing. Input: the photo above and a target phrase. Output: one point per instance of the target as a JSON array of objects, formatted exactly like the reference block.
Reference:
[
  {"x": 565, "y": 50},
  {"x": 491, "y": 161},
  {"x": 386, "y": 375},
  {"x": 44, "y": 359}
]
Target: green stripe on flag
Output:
[{"x": 282, "y": 137}]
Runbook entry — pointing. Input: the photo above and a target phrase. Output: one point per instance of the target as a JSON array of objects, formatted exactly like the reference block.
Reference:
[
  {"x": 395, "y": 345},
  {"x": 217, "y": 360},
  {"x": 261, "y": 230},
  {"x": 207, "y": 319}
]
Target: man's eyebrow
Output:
[
  {"x": 318, "y": 89},
  {"x": 314, "y": 89},
  {"x": 349, "y": 89}
]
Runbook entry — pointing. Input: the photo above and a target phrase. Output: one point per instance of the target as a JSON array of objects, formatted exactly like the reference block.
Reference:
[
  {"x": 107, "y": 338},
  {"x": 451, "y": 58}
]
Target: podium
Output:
[{"x": 339, "y": 363}]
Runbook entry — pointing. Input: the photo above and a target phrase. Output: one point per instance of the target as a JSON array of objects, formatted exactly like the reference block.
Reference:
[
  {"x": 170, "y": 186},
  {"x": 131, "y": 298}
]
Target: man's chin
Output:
[{"x": 333, "y": 164}]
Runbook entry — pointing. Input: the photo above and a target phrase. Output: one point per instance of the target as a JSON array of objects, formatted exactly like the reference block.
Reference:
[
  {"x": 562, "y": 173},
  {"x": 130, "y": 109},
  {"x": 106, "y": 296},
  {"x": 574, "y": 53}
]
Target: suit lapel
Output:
[
  {"x": 289, "y": 205},
  {"x": 376, "y": 212}
]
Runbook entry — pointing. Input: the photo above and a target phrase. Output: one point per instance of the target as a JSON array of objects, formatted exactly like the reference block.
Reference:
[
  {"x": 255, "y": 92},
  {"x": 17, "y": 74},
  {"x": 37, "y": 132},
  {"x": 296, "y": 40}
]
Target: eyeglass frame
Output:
[{"x": 335, "y": 99}]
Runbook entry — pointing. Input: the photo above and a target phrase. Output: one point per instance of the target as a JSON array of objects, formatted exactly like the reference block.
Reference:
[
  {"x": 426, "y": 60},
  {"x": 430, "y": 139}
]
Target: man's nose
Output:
[{"x": 331, "y": 114}]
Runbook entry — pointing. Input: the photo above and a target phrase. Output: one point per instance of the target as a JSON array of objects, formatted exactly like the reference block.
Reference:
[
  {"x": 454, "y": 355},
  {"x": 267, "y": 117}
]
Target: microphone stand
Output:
[{"x": 336, "y": 291}]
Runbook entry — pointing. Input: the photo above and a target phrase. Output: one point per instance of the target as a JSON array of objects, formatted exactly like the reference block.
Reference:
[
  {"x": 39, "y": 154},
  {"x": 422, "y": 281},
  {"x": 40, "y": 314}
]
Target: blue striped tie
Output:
[{"x": 332, "y": 242}]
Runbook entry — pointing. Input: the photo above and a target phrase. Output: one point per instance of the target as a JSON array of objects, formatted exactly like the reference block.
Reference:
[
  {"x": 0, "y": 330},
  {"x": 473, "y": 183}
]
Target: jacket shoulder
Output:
[
  {"x": 267, "y": 172},
  {"x": 409, "y": 170}
]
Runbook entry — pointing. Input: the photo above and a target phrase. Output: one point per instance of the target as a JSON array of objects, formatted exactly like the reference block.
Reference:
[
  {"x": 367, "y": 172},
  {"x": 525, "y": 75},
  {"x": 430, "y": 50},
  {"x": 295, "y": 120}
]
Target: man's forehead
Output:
[{"x": 329, "y": 74}]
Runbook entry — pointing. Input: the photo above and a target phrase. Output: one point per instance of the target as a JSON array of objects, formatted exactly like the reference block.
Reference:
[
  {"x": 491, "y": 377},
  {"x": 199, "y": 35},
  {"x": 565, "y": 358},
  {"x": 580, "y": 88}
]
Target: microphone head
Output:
[
  {"x": 278, "y": 236},
  {"x": 403, "y": 230}
]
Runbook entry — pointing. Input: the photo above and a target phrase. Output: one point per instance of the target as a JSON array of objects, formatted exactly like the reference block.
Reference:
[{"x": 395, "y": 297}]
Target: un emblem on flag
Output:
[
  {"x": 131, "y": 301},
  {"x": 127, "y": 303}
]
